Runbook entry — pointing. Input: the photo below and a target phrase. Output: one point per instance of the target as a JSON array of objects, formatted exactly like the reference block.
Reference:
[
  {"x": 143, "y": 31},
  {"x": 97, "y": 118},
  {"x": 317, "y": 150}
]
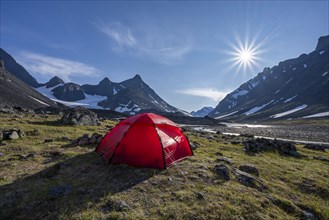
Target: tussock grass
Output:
[{"x": 188, "y": 190}]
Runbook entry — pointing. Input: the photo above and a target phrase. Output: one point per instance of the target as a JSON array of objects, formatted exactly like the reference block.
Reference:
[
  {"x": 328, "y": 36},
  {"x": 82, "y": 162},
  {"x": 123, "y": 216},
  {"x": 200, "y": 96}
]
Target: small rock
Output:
[
  {"x": 222, "y": 171},
  {"x": 218, "y": 154},
  {"x": 321, "y": 158},
  {"x": 99, "y": 139},
  {"x": 251, "y": 169},
  {"x": 31, "y": 155},
  {"x": 224, "y": 159},
  {"x": 1, "y": 154},
  {"x": 248, "y": 180},
  {"x": 21, "y": 133},
  {"x": 59, "y": 191},
  {"x": 83, "y": 141},
  {"x": 13, "y": 135},
  {"x": 34, "y": 132},
  {"x": 200, "y": 196},
  {"x": 48, "y": 140},
  {"x": 120, "y": 206},
  {"x": 194, "y": 145},
  {"x": 236, "y": 142}
]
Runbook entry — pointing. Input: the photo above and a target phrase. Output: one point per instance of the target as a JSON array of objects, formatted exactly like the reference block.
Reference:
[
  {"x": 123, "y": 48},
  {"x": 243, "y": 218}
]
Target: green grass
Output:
[{"x": 97, "y": 188}]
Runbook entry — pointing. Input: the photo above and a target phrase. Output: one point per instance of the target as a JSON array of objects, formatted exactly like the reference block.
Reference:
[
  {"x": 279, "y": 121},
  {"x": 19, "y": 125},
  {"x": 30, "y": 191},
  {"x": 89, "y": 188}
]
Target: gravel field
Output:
[{"x": 292, "y": 132}]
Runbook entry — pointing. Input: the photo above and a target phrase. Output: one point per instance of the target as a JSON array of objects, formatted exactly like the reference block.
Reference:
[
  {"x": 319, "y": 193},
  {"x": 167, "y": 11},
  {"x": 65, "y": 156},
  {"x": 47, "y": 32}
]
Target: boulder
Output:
[
  {"x": 12, "y": 135},
  {"x": 261, "y": 144},
  {"x": 79, "y": 116},
  {"x": 248, "y": 168},
  {"x": 222, "y": 171}
]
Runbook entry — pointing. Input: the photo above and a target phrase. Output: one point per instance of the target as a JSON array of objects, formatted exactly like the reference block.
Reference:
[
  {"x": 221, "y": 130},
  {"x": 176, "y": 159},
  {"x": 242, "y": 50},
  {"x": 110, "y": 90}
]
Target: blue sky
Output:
[{"x": 185, "y": 50}]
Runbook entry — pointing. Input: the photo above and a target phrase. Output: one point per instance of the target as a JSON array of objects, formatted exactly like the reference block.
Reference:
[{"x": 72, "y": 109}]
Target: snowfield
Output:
[
  {"x": 89, "y": 102},
  {"x": 289, "y": 112}
]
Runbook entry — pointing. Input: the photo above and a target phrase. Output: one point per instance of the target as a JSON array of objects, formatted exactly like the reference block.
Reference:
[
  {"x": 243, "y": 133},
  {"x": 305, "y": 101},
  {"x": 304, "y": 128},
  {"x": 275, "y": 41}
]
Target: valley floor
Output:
[
  {"x": 301, "y": 130},
  {"x": 44, "y": 176}
]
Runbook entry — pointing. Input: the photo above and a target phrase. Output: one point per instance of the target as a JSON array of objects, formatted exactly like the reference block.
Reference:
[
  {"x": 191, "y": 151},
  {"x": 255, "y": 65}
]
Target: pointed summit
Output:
[
  {"x": 105, "y": 81},
  {"x": 323, "y": 43},
  {"x": 137, "y": 77}
]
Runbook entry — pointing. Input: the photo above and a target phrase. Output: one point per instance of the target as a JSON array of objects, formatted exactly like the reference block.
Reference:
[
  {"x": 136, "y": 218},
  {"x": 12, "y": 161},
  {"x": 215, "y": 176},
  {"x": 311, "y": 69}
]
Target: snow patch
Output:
[
  {"x": 125, "y": 108},
  {"x": 324, "y": 73},
  {"x": 91, "y": 101},
  {"x": 39, "y": 101},
  {"x": 114, "y": 91},
  {"x": 256, "y": 109},
  {"x": 322, "y": 52},
  {"x": 223, "y": 116},
  {"x": 294, "y": 69},
  {"x": 322, "y": 114},
  {"x": 289, "y": 112},
  {"x": 305, "y": 65},
  {"x": 236, "y": 93},
  {"x": 288, "y": 100}
]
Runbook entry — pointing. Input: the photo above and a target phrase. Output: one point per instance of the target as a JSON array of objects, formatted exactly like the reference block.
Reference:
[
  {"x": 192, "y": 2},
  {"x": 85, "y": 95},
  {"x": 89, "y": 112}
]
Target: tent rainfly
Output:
[{"x": 145, "y": 140}]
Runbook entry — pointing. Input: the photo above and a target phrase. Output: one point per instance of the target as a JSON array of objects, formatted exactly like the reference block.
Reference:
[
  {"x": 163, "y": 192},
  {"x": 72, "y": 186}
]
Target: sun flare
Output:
[{"x": 245, "y": 55}]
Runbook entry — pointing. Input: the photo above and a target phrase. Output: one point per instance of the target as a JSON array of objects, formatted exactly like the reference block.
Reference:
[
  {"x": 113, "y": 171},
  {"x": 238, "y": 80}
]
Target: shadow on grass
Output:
[
  {"x": 49, "y": 123},
  {"x": 84, "y": 180}
]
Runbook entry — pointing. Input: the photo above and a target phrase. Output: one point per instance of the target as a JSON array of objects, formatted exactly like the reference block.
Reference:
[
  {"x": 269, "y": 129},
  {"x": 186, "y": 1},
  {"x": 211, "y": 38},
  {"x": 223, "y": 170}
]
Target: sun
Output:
[{"x": 245, "y": 55}]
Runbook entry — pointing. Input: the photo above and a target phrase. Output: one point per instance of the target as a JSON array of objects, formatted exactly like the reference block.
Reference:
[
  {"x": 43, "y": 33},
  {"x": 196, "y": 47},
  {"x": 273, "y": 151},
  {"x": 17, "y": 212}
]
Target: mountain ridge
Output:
[{"x": 298, "y": 82}]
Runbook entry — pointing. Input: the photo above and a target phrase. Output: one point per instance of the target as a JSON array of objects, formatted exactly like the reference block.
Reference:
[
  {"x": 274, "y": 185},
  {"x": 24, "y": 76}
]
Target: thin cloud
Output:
[
  {"x": 52, "y": 66},
  {"x": 150, "y": 43},
  {"x": 213, "y": 94}
]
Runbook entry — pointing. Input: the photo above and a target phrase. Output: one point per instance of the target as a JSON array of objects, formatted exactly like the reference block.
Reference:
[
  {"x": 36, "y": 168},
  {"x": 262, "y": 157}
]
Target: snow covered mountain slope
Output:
[
  {"x": 135, "y": 95},
  {"x": 202, "y": 112},
  {"x": 295, "y": 88},
  {"x": 129, "y": 96}
]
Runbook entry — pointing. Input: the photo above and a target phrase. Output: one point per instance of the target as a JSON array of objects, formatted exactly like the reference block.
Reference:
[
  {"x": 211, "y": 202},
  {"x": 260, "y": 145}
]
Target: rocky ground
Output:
[{"x": 302, "y": 132}]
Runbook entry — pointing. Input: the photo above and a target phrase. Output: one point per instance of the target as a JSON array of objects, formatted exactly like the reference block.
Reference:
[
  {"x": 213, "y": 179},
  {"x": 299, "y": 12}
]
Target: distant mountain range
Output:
[
  {"x": 296, "y": 87},
  {"x": 129, "y": 96},
  {"x": 202, "y": 112}
]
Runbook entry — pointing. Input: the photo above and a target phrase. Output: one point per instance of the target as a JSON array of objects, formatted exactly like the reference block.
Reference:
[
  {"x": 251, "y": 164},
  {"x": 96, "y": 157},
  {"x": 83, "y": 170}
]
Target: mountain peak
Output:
[
  {"x": 322, "y": 42},
  {"x": 137, "y": 77},
  {"x": 54, "y": 82},
  {"x": 105, "y": 81}
]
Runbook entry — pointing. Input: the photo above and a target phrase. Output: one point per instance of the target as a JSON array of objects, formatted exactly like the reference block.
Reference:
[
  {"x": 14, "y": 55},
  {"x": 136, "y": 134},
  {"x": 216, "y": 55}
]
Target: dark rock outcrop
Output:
[
  {"x": 12, "y": 134},
  {"x": 69, "y": 92},
  {"x": 248, "y": 168},
  {"x": 249, "y": 181},
  {"x": 79, "y": 116},
  {"x": 222, "y": 171},
  {"x": 315, "y": 147},
  {"x": 85, "y": 139},
  {"x": 54, "y": 82},
  {"x": 261, "y": 144}
]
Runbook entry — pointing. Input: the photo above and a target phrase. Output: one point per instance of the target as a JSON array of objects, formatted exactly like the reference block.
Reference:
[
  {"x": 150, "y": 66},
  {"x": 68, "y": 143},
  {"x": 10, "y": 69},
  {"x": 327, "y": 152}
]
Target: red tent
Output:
[{"x": 145, "y": 140}]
